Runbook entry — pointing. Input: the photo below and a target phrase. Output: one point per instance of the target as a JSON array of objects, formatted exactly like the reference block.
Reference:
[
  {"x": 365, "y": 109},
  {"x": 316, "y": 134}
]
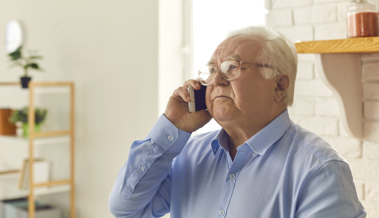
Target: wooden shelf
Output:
[
  {"x": 44, "y": 90},
  {"x": 40, "y": 141},
  {"x": 339, "y": 63},
  {"x": 13, "y": 96},
  {"x": 350, "y": 45}
]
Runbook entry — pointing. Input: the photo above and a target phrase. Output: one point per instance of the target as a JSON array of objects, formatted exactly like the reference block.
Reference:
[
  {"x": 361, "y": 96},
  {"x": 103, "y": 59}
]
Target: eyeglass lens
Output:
[{"x": 229, "y": 69}]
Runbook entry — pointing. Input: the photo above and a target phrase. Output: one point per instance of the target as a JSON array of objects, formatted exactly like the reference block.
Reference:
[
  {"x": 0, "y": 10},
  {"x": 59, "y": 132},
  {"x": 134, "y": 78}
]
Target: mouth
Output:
[{"x": 221, "y": 96}]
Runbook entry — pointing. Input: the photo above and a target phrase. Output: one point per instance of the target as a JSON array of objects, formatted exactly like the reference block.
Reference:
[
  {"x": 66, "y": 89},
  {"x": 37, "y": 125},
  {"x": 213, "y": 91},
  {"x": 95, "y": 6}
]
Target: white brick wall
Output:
[
  {"x": 316, "y": 14},
  {"x": 280, "y": 17},
  {"x": 342, "y": 11},
  {"x": 298, "y": 33},
  {"x": 306, "y": 58},
  {"x": 370, "y": 90},
  {"x": 315, "y": 106},
  {"x": 327, "y": 1},
  {"x": 312, "y": 88},
  {"x": 302, "y": 106},
  {"x": 372, "y": 192},
  {"x": 371, "y": 150},
  {"x": 290, "y": 3},
  {"x": 319, "y": 125},
  {"x": 360, "y": 190},
  {"x": 373, "y": 57},
  {"x": 342, "y": 130},
  {"x": 364, "y": 170},
  {"x": 371, "y": 130},
  {"x": 305, "y": 70},
  {"x": 346, "y": 146},
  {"x": 330, "y": 31},
  {"x": 372, "y": 209},
  {"x": 370, "y": 71},
  {"x": 327, "y": 107}
]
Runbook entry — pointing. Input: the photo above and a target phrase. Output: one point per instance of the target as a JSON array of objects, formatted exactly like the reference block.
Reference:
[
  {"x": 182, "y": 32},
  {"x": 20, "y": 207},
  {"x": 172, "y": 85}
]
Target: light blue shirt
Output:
[{"x": 282, "y": 171}]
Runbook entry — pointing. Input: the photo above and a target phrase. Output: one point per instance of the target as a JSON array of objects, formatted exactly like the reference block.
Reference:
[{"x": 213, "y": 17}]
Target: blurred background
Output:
[{"x": 126, "y": 58}]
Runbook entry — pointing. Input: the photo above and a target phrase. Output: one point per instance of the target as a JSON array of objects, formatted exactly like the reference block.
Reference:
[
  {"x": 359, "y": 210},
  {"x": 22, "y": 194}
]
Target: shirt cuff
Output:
[{"x": 168, "y": 136}]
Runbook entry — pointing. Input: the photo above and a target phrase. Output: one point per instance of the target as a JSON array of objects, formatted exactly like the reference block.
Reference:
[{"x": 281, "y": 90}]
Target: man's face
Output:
[{"x": 250, "y": 96}]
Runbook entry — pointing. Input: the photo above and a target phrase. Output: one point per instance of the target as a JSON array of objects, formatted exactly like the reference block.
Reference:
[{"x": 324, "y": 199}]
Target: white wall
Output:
[
  {"x": 109, "y": 49},
  {"x": 315, "y": 106},
  {"x": 174, "y": 57},
  {"x": 170, "y": 50}
]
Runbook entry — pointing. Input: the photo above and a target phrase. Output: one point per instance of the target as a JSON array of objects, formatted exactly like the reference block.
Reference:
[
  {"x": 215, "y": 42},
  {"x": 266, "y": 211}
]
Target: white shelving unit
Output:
[{"x": 9, "y": 189}]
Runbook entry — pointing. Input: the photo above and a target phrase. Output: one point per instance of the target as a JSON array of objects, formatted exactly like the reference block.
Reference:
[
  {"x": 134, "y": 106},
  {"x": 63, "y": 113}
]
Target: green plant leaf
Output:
[
  {"x": 22, "y": 115},
  {"x": 34, "y": 66},
  {"x": 16, "y": 54},
  {"x": 36, "y": 57},
  {"x": 15, "y": 64},
  {"x": 18, "y": 60}
]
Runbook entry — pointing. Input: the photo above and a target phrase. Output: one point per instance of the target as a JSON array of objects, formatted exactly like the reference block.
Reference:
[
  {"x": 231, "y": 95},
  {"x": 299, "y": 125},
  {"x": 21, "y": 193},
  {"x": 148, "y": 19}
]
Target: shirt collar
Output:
[
  {"x": 262, "y": 140},
  {"x": 220, "y": 139}
]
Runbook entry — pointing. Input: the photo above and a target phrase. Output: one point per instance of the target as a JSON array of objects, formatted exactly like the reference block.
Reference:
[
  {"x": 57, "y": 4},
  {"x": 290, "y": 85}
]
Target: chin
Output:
[{"x": 222, "y": 115}]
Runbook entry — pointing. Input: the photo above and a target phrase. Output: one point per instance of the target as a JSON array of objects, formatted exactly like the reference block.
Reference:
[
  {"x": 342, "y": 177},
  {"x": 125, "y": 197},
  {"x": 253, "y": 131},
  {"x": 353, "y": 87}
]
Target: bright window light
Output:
[{"x": 212, "y": 21}]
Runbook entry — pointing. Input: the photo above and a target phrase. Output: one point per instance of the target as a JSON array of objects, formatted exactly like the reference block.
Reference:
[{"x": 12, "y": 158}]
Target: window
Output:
[{"x": 212, "y": 21}]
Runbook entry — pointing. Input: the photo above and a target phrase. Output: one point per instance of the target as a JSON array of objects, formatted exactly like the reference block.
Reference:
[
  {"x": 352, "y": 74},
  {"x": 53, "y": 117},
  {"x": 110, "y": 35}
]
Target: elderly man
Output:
[{"x": 260, "y": 164}]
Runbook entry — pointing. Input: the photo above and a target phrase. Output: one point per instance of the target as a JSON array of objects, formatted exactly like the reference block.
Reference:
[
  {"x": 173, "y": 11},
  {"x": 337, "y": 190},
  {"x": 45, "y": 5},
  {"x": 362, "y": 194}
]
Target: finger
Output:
[
  {"x": 183, "y": 94},
  {"x": 194, "y": 83}
]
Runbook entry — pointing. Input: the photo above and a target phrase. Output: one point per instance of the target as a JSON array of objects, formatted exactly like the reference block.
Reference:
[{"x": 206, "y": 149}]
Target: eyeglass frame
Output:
[{"x": 239, "y": 61}]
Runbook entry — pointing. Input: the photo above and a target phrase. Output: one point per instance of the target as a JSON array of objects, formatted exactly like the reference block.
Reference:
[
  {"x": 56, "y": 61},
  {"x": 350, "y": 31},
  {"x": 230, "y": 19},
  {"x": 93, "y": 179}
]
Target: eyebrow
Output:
[{"x": 227, "y": 58}]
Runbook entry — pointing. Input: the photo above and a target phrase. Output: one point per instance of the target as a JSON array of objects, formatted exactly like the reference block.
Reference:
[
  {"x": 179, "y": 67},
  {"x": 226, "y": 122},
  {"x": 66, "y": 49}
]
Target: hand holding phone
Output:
[
  {"x": 177, "y": 111},
  {"x": 197, "y": 102}
]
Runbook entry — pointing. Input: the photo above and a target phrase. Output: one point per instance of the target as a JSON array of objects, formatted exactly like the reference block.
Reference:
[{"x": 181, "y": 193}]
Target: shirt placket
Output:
[{"x": 230, "y": 182}]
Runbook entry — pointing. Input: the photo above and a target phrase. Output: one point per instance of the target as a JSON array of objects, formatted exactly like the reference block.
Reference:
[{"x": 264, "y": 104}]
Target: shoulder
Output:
[{"x": 312, "y": 146}]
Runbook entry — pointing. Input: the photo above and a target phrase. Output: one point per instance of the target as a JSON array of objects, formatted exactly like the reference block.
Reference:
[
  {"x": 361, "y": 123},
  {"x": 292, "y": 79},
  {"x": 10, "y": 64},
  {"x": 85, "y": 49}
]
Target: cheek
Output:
[{"x": 254, "y": 95}]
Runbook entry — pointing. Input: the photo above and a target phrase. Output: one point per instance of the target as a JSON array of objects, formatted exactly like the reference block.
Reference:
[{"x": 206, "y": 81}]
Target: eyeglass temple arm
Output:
[{"x": 268, "y": 66}]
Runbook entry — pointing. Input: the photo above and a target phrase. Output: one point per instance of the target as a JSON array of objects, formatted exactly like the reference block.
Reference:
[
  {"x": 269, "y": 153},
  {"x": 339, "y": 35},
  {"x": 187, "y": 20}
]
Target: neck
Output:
[{"x": 240, "y": 131}]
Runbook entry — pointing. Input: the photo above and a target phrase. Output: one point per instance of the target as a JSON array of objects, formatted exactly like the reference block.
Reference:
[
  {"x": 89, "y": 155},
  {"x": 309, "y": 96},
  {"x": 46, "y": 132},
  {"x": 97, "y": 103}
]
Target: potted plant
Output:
[
  {"x": 22, "y": 116},
  {"x": 26, "y": 63}
]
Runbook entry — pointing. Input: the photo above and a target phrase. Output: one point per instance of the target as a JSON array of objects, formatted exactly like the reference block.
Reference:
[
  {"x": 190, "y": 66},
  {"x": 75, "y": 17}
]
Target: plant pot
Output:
[
  {"x": 25, "y": 81},
  {"x": 25, "y": 128}
]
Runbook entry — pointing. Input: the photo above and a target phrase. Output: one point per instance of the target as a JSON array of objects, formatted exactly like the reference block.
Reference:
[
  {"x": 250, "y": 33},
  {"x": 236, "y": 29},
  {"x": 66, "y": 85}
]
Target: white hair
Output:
[{"x": 277, "y": 51}]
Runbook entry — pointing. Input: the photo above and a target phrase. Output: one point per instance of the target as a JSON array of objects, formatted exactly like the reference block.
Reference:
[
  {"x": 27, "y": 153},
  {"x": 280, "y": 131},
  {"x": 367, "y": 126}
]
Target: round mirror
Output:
[{"x": 13, "y": 36}]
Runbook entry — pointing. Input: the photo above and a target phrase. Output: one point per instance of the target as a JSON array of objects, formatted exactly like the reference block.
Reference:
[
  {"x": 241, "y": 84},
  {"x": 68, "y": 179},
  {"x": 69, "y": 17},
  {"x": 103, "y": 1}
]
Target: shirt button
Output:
[
  {"x": 255, "y": 154},
  {"x": 142, "y": 168},
  {"x": 222, "y": 212},
  {"x": 232, "y": 176},
  {"x": 170, "y": 137}
]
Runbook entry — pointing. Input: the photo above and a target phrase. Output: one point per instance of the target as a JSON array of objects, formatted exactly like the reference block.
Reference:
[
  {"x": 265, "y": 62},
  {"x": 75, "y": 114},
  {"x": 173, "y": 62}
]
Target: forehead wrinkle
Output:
[
  {"x": 232, "y": 57},
  {"x": 210, "y": 62},
  {"x": 249, "y": 51},
  {"x": 239, "y": 44},
  {"x": 229, "y": 47}
]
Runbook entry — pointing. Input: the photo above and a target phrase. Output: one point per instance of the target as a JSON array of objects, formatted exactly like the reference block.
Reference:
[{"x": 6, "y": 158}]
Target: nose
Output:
[{"x": 218, "y": 79}]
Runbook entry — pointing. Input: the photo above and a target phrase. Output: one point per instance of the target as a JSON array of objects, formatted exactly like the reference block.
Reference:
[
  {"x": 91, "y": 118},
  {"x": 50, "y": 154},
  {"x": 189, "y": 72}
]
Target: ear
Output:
[{"x": 282, "y": 84}]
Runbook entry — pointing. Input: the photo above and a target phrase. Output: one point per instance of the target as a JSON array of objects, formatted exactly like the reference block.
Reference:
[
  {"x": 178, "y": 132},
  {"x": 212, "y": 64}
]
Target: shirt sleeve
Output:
[
  {"x": 330, "y": 192},
  {"x": 143, "y": 184}
]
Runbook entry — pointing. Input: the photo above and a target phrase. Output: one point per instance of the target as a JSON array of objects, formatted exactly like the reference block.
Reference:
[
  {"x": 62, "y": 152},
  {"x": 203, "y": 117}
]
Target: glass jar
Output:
[{"x": 362, "y": 19}]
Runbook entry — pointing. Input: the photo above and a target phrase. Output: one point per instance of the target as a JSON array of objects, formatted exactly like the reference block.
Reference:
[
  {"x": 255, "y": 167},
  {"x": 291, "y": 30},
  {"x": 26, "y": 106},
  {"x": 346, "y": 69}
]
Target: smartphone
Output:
[{"x": 197, "y": 102}]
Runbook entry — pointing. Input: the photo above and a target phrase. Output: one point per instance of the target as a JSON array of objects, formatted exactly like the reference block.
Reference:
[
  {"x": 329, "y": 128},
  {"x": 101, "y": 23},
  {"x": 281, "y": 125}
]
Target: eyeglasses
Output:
[{"x": 229, "y": 70}]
